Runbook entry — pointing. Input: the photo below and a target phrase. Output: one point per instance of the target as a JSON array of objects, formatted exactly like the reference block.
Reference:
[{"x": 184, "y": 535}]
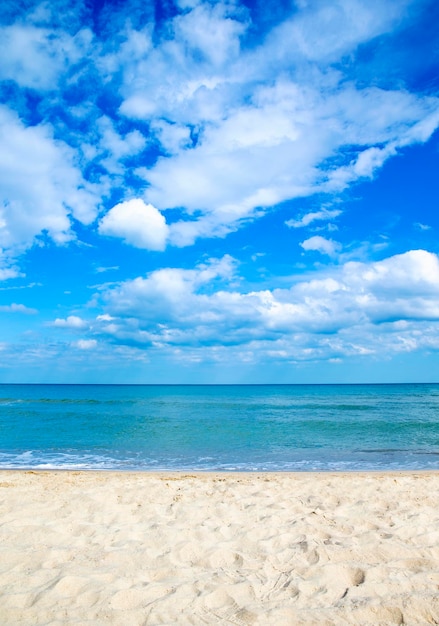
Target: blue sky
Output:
[{"x": 219, "y": 192}]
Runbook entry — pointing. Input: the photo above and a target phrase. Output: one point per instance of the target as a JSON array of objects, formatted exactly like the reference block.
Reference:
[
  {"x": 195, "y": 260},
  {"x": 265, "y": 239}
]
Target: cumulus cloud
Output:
[
  {"x": 137, "y": 223},
  {"x": 40, "y": 185},
  {"x": 72, "y": 321},
  {"x": 322, "y": 245},
  {"x": 356, "y": 309},
  {"x": 168, "y": 291}
]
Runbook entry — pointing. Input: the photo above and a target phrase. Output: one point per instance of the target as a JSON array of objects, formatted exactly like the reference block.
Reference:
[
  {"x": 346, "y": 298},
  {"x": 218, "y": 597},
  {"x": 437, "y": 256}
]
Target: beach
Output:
[{"x": 227, "y": 548}]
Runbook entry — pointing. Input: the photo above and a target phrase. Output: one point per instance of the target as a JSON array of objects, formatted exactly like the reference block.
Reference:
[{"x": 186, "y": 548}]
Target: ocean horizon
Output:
[{"x": 220, "y": 427}]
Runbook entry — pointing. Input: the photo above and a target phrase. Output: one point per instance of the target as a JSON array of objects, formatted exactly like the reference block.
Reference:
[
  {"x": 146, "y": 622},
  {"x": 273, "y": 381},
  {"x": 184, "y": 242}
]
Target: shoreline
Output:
[
  {"x": 242, "y": 548},
  {"x": 213, "y": 473}
]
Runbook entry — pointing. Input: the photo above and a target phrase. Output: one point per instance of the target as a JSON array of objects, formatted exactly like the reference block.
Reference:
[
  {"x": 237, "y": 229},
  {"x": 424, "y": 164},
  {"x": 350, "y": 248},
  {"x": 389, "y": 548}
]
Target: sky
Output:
[{"x": 239, "y": 191}]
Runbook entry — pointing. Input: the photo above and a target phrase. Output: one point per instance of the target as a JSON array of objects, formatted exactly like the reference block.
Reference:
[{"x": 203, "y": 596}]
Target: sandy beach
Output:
[{"x": 284, "y": 549}]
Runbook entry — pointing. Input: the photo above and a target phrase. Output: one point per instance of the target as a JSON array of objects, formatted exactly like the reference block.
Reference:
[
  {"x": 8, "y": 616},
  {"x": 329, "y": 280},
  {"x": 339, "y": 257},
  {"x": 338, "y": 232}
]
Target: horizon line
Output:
[{"x": 218, "y": 384}]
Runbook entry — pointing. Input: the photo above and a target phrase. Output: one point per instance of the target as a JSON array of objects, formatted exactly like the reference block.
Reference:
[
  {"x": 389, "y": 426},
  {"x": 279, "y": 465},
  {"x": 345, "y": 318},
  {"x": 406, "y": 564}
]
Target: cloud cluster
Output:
[
  {"x": 277, "y": 148},
  {"x": 357, "y": 309},
  {"x": 253, "y": 127},
  {"x": 164, "y": 124},
  {"x": 190, "y": 110}
]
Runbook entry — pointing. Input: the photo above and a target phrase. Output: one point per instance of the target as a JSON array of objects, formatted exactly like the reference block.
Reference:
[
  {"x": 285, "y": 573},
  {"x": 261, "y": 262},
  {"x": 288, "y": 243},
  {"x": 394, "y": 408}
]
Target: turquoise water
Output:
[{"x": 224, "y": 427}]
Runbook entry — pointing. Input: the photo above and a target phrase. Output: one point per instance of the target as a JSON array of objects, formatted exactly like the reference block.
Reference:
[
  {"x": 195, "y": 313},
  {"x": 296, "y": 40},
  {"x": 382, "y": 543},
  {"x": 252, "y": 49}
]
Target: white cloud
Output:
[
  {"x": 209, "y": 30},
  {"x": 306, "y": 220},
  {"x": 222, "y": 119},
  {"x": 85, "y": 344},
  {"x": 276, "y": 148},
  {"x": 101, "y": 270},
  {"x": 272, "y": 124},
  {"x": 324, "y": 32},
  {"x": 322, "y": 245},
  {"x": 72, "y": 321},
  {"x": 6, "y": 269},
  {"x": 137, "y": 223},
  {"x": 421, "y": 226},
  {"x": 243, "y": 122},
  {"x": 183, "y": 77},
  {"x": 168, "y": 291},
  {"x": 358, "y": 308},
  {"x": 30, "y": 48},
  {"x": 6, "y": 273},
  {"x": 17, "y": 308},
  {"x": 114, "y": 148},
  {"x": 40, "y": 185},
  {"x": 172, "y": 137},
  {"x": 414, "y": 270},
  {"x": 120, "y": 146}
]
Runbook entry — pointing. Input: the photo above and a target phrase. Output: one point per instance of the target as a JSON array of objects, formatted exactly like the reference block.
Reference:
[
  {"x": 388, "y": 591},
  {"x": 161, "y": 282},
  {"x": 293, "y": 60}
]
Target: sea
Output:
[{"x": 220, "y": 427}]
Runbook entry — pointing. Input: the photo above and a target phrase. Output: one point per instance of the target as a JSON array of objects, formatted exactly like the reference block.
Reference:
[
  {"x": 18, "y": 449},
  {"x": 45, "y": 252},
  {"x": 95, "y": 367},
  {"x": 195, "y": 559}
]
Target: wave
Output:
[{"x": 382, "y": 460}]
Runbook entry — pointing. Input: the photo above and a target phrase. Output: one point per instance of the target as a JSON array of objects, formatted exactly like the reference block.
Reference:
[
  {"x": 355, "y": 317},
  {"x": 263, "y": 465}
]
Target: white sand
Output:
[{"x": 283, "y": 549}]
